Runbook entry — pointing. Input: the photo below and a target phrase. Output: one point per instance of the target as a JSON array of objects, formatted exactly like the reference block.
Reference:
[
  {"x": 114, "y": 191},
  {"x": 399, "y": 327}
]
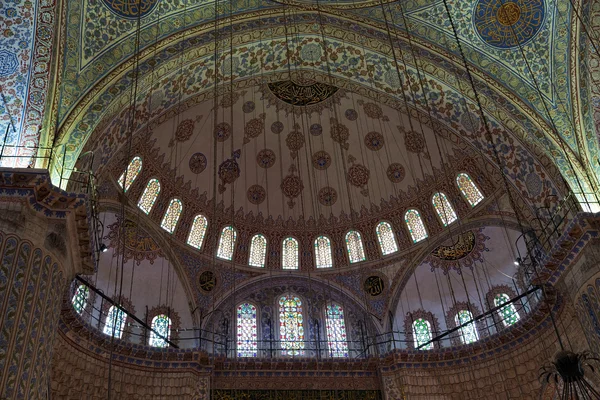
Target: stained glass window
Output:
[
  {"x": 444, "y": 208},
  {"x": 169, "y": 221},
  {"x": 354, "y": 245},
  {"x": 115, "y": 322},
  {"x": 291, "y": 329},
  {"x": 149, "y": 196},
  {"x": 422, "y": 334},
  {"x": 227, "y": 243},
  {"x": 289, "y": 254},
  {"x": 246, "y": 330},
  {"x": 196, "y": 236},
  {"x": 386, "y": 237},
  {"x": 161, "y": 324},
  {"x": 336, "y": 331},
  {"x": 323, "y": 252},
  {"x": 508, "y": 313},
  {"x": 469, "y": 189},
  {"x": 468, "y": 333},
  {"x": 133, "y": 169},
  {"x": 80, "y": 298},
  {"x": 258, "y": 251},
  {"x": 415, "y": 225}
]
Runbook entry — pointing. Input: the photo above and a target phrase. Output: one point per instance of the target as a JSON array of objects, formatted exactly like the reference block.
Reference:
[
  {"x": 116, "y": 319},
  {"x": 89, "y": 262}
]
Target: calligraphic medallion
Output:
[
  {"x": 374, "y": 285},
  {"x": 131, "y": 8},
  {"x": 302, "y": 94},
  {"x": 207, "y": 281}
]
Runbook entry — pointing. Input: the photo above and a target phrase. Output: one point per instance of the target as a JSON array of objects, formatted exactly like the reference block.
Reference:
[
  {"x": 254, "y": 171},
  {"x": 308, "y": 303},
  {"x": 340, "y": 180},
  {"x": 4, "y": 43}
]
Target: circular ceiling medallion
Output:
[
  {"x": 374, "y": 141},
  {"x": 256, "y": 194},
  {"x": 184, "y": 131},
  {"x": 414, "y": 142},
  {"x": 316, "y": 129},
  {"x": 372, "y": 110},
  {"x": 321, "y": 160},
  {"x": 505, "y": 24},
  {"x": 358, "y": 175},
  {"x": 351, "y": 114},
  {"x": 207, "y": 281},
  {"x": 292, "y": 186},
  {"x": 248, "y": 107},
  {"x": 311, "y": 52},
  {"x": 277, "y": 127},
  {"x": 222, "y": 131},
  {"x": 327, "y": 196},
  {"x": 129, "y": 9},
  {"x": 197, "y": 163},
  {"x": 265, "y": 158},
  {"x": 395, "y": 172}
]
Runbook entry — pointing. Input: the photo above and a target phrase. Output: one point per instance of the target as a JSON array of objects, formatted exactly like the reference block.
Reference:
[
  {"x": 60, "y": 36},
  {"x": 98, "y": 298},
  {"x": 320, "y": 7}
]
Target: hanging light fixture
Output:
[{"x": 568, "y": 371}]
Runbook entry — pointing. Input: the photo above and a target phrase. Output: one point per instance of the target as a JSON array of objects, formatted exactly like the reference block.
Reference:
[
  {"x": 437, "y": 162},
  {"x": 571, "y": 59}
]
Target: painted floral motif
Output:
[
  {"x": 327, "y": 196},
  {"x": 311, "y": 52},
  {"x": 340, "y": 133},
  {"x": 316, "y": 129},
  {"x": 373, "y": 110},
  {"x": 358, "y": 175},
  {"x": 295, "y": 141},
  {"x": 395, "y": 172},
  {"x": 254, "y": 128},
  {"x": 321, "y": 160},
  {"x": 351, "y": 114},
  {"x": 256, "y": 194},
  {"x": 277, "y": 127},
  {"x": 197, "y": 163},
  {"x": 414, "y": 141},
  {"x": 184, "y": 131},
  {"x": 230, "y": 98},
  {"x": 265, "y": 158},
  {"x": 248, "y": 107},
  {"x": 374, "y": 141},
  {"x": 222, "y": 131},
  {"x": 229, "y": 171},
  {"x": 292, "y": 186}
]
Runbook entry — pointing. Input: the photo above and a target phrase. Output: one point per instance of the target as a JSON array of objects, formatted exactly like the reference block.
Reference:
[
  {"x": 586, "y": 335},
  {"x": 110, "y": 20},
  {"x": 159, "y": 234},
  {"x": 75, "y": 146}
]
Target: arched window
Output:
[
  {"x": 133, "y": 169},
  {"x": 115, "y": 322},
  {"x": 415, "y": 225},
  {"x": 468, "y": 333},
  {"x": 443, "y": 208},
  {"x": 80, "y": 298},
  {"x": 336, "y": 331},
  {"x": 356, "y": 252},
  {"x": 422, "y": 334},
  {"x": 289, "y": 253},
  {"x": 161, "y": 324},
  {"x": 387, "y": 240},
  {"x": 508, "y": 313},
  {"x": 246, "y": 330},
  {"x": 291, "y": 329},
  {"x": 469, "y": 189},
  {"x": 196, "y": 236},
  {"x": 169, "y": 221},
  {"x": 227, "y": 243},
  {"x": 258, "y": 251},
  {"x": 323, "y": 252},
  {"x": 149, "y": 196}
]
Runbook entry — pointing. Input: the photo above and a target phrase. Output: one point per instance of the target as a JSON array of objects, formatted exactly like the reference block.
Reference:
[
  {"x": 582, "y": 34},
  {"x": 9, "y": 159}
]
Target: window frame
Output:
[
  {"x": 465, "y": 198},
  {"x": 362, "y": 246},
  {"x": 302, "y": 352},
  {"x": 258, "y": 328},
  {"x": 383, "y": 221},
  {"x": 422, "y": 222},
  {"x": 282, "y": 251},
  {"x": 330, "y": 252},
  {"x": 155, "y": 199},
  {"x": 264, "y": 263},
  {"x": 232, "y": 245},
  {"x": 199, "y": 248},
  {"x": 444, "y": 224}
]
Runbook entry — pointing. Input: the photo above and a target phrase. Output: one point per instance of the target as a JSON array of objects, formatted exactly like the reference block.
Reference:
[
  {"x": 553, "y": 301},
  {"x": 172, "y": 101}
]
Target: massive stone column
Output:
[{"x": 44, "y": 242}]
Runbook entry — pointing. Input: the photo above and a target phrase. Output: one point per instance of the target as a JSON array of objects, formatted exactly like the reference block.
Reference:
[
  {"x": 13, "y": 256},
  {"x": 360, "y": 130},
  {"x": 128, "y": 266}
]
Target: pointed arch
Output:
[
  {"x": 386, "y": 238},
  {"x": 227, "y": 243},
  {"x": 80, "y": 298},
  {"x": 415, "y": 225},
  {"x": 198, "y": 231},
  {"x": 422, "y": 334},
  {"x": 115, "y": 322},
  {"x": 507, "y": 313},
  {"x": 289, "y": 253},
  {"x": 444, "y": 208},
  {"x": 161, "y": 330},
  {"x": 246, "y": 330},
  {"x": 323, "y": 256},
  {"x": 133, "y": 169},
  {"x": 149, "y": 196},
  {"x": 171, "y": 217},
  {"x": 258, "y": 251},
  {"x": 469, "y": 189},
  {"x": 354, "y": 245},
  {"x": 337, "y": 341},
  {"x": 291, "y": 325}
]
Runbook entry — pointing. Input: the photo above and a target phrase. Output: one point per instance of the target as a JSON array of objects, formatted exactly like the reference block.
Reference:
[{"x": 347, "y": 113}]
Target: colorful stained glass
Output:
[
  {"x": 149, "y": 196},
  {"x": 468, "y": 333},
  {"x": 323, "y": 252},
  {"x": 115, "y": 322},
  {"x": 132, "y": 171},
  {"x": 227, "y": 243},
  {"x": 289, "y": 254},
  {"x": 336, "y": 331},
  {"x": 291, "y": 329},
  {"x": 422, "y": 334},
  {"x": 386, "y": 237},
  {"x": 79, "y": 300},
  {"x": 246, "y": 330},
  {"x": 415, "y": 225},
  {"x": 469, "y": 189},
  {"x": 444, "y": 208},
  {"x": 196, "y": 236},
  {"x": 508, "y": 313},
  {"x": 169, "y": 221},
  {"x": 258, "y": 251},
  {"x": 161, "y": 325},
  {"x": 354, "y": 245}
]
